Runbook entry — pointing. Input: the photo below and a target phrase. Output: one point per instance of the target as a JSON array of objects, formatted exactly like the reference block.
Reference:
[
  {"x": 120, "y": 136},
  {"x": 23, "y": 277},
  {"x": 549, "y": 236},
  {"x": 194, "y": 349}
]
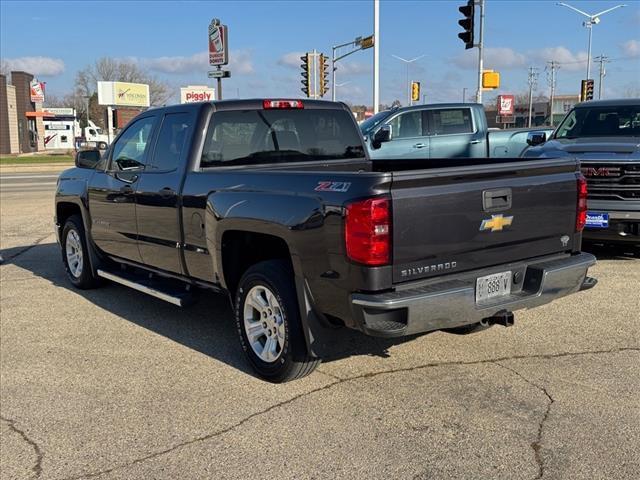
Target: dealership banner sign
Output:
[{"x": 123, "y": 94}]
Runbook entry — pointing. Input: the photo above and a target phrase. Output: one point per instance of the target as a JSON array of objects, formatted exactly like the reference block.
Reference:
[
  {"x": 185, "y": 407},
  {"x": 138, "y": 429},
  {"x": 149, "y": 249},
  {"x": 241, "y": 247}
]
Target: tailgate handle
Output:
[{"x": 496, "y": 200}]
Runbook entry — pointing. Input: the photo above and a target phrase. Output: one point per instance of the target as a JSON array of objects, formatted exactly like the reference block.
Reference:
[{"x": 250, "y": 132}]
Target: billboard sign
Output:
[
  {"x": 123, "y": 94},
  {"x": 218, "y": 45},
  {"x": 506, "y": 105},
  {"x": 197, "y": 93},
  {"x": 37, "y": 91}
]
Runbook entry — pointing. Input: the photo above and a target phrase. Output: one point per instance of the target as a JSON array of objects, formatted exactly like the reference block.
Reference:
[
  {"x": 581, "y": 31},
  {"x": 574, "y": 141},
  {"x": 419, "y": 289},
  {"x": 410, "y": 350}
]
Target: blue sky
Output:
[{"x": 265, "y": 38}]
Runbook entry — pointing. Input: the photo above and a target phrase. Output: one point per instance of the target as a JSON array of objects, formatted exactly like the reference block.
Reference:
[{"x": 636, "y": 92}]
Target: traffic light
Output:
[
  {"x": 415, "y": 91},
  {"x": 467, "y": 24},
  {"x": 306, "y": 73},
  {"x": 586, "y": 90},
  {"x": 323, "y": 71}
]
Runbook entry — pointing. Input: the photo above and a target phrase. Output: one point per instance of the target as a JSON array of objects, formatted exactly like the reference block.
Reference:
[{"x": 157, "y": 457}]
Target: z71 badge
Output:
[{"x": 333, "y": 186}]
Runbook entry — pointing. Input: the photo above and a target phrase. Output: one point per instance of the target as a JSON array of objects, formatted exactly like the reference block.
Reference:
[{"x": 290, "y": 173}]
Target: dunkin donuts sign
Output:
[{"x": 197, "y": 93}]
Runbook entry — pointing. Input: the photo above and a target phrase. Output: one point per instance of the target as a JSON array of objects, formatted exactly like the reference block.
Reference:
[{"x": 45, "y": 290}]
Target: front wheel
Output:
[
  {"x": 268, "y": 322},
  {"x": 75, "y": 254}
]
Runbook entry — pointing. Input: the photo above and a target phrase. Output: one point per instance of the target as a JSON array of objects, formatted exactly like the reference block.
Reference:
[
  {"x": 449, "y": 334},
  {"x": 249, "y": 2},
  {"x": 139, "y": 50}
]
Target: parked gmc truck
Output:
[
  {"x": 605, "y": 137},
  {"x": 276, "y": 203}
]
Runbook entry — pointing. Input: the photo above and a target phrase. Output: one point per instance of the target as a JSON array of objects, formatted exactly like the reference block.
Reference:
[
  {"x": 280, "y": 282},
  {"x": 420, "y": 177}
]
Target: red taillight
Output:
[
  {"x": 368, "y": 231},
  {"x": 274, "y": 104},
  {"x": 581, "y": 211}
]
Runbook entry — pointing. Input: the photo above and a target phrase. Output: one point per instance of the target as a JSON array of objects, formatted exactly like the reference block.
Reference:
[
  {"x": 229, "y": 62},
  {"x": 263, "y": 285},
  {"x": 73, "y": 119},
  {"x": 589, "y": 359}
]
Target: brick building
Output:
[{"x": 21, "y": 125}]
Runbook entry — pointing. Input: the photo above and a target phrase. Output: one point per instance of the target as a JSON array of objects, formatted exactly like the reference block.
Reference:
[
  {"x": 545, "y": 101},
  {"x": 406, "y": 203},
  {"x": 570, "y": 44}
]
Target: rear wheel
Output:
[
  {"x": 268, "y": 322},
  {"x": 75, "y": 254}
]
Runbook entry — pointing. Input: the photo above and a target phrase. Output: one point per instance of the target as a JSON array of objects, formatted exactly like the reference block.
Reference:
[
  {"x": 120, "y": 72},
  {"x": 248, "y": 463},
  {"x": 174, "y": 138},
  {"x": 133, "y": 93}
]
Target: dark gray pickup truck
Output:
[{"x": 276, "y": 203}]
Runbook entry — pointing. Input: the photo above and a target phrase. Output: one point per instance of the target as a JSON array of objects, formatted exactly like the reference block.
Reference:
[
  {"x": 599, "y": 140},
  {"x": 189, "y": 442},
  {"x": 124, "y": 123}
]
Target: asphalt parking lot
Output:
[{"x": 112, "y": 384}]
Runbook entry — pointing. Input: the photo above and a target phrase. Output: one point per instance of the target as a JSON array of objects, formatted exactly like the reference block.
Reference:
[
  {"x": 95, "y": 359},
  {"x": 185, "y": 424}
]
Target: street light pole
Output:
[
  {"x": 408, "y": 62},
  {"x": 589, "y": 25},
  {"x": 593, "y": 19},
  {"x": 480, "y": 48}
]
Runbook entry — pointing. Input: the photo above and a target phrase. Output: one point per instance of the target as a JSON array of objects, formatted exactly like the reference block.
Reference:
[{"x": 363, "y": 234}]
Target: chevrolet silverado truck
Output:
[
  {"x": 605, "y": 137},
  {"x": 447, "y": 130},
  {"x": 276, "y": 204}
]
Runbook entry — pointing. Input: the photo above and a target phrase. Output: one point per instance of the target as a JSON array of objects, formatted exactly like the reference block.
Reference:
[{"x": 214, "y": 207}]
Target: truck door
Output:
[
  {"x": 408, "y": 137},
  {"x": 158, "y": 194},
  {"x": 454, "y": 134},
  {"x": 112, "y": 192}
]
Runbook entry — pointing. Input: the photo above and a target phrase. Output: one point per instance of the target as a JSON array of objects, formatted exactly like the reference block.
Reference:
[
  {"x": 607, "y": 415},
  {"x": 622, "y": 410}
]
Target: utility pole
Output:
[
  {"x": 480, "y": 48},
  {"x": 602, "y": 59},
  {"x": 532, "y": 81},
  {"x": 376, "y": 56},
  {"x": 551, "y": 79},
  {"x": 464, "y": 95}
]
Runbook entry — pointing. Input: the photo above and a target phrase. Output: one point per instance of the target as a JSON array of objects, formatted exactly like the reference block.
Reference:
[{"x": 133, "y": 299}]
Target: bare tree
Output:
[
  {"x": 631, "y": 91},
  {"x": 113, "y": 70}
]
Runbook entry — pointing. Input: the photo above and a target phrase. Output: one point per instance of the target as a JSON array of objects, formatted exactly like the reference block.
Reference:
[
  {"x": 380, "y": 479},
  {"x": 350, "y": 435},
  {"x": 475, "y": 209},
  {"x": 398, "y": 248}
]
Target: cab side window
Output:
[
  {"x": 130, "y": 150},
  {"x": 171, "y": 142},
  {"x": 407, "y": 125},
  {"x": 450, "y": 121}
]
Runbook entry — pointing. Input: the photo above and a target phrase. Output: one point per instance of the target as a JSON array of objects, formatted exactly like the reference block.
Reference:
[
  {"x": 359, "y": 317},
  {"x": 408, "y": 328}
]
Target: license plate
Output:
[
  {"x": 597, "y": 220},
  {"x": 491, "y": 286}
]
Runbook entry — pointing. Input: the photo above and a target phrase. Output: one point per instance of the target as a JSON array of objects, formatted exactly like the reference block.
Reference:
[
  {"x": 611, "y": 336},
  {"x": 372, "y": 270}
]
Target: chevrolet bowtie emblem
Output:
[{"x": 495, "y": 223}]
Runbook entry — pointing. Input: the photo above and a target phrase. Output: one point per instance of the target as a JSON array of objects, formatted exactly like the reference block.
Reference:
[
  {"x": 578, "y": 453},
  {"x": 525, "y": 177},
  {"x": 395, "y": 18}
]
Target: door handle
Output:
[
  {"x": 126, "y": 189},
  {"x": 126, "y": 178},
  {"x": 167, "y": 192},
  {"x": 474, "y": 142},
  {"x": 420, "y": 145},
  {"x": 495, "y": 200}
]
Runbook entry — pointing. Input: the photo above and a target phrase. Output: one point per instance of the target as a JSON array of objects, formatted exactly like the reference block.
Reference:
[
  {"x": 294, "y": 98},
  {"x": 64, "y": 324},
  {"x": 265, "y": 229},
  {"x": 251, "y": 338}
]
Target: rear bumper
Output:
[{"x": 451, "y": 303}]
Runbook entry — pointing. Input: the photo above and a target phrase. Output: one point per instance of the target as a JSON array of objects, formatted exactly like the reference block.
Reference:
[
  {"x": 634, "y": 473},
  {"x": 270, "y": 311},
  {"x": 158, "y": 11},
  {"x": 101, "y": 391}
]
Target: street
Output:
[{"x": 110, "y": 383}]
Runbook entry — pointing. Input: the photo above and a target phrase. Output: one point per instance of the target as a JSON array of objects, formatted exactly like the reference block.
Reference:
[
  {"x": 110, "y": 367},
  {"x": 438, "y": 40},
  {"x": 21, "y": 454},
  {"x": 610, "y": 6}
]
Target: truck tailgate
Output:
[{"x": 449, "y": 220}]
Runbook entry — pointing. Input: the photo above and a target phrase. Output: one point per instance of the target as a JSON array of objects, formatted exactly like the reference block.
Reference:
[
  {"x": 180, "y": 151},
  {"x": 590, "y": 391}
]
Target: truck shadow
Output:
[
  {"x": 612, "y": 252},
  {"x": 207, "y": 327}
]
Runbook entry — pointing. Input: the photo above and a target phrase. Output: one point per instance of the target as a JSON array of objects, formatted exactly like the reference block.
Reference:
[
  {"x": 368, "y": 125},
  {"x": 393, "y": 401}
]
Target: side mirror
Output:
[
  {"x": 384, "y": 134},
  {"x": 87, "y": 159},
  {"x": 536, "y": 138}
]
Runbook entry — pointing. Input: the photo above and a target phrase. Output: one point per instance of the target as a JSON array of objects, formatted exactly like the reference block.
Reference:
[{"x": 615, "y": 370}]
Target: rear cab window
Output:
[{"x": 245, "y": 137}]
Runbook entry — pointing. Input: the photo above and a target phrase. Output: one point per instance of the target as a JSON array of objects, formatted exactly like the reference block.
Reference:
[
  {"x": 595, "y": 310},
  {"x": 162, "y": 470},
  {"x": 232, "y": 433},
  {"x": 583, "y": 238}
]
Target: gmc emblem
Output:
[{"x": 601, "y": 171}]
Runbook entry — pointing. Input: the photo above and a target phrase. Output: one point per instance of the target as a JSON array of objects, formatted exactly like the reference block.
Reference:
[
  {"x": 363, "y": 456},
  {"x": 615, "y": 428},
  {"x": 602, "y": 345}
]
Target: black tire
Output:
[
  {"x": 84, "y": 278},
  {"x": 293, "y": 361}
]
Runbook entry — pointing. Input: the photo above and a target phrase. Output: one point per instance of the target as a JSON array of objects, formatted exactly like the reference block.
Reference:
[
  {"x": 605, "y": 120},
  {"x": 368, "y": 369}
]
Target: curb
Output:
[{"x": 35, "y": 167}]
